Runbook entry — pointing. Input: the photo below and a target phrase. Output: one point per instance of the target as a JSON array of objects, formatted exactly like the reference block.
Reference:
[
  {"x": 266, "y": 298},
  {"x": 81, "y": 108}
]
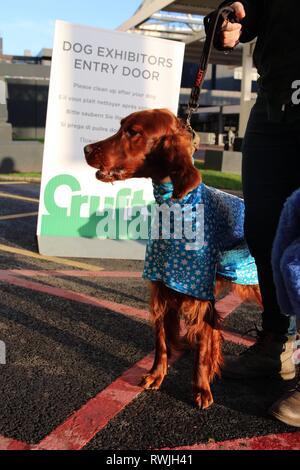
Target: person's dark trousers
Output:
[{"x": 271, "y": 172}]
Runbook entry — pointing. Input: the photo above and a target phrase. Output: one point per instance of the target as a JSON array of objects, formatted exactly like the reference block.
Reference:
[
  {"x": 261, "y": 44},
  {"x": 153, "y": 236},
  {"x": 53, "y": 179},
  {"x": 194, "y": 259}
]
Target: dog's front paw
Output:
[
  {"x": 152, "y": 381},
  {"x": 203, "y": 399}
]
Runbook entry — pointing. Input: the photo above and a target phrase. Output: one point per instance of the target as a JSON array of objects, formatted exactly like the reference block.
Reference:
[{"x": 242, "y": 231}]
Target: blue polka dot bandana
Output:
[{"x": 190, "y": 266}]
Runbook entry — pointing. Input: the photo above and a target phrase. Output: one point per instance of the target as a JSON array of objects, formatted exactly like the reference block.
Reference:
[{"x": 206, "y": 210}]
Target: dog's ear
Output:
[{"x": 178, "y": 151}]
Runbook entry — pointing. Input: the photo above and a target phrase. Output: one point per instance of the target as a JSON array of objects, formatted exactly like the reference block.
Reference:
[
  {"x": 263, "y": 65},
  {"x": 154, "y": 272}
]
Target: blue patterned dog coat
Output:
[{"x": 189, "y": 268}]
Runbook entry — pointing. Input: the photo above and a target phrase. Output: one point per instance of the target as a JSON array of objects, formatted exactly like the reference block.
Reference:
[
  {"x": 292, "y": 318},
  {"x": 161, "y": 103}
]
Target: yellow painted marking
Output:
[
  {"x": 18, "y": 216},
  {"x": 14, "y": 196},
  {"x": 13, "y": 182},
  {"x": 66, "y": 262}
]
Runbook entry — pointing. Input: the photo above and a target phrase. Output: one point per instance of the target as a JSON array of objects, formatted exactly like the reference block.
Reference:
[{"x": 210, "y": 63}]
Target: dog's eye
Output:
[{"x": 130, "y": 132}]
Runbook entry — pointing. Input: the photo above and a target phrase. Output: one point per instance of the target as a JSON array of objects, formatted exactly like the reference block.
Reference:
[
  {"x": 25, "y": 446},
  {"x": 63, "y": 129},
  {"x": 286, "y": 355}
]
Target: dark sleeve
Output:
[
  {"x": 250, "y": 23},
  {"x": 253, "y": 9}
]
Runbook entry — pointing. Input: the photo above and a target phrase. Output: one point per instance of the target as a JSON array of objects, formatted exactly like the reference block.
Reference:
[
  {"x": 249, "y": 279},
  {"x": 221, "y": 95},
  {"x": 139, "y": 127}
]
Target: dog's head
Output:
[{"x": 150, "y": 144}]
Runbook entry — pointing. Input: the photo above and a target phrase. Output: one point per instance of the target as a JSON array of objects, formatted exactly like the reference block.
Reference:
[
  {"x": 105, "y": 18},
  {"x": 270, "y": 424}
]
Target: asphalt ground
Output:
[{"x": 78, "y": 339}]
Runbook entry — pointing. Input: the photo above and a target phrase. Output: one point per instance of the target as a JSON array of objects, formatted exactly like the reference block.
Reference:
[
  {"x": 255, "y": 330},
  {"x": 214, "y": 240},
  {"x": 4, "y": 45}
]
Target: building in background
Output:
[
  {"x": 27, "y": 84},
  {"x": 229, "y": 89}
]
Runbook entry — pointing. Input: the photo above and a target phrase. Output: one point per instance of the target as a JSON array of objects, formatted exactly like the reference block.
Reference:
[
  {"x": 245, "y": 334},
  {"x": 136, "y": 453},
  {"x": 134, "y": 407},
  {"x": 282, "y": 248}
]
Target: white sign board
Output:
[
  {"x": 97, "y": 78},
  {"x": 2, "y": 92}
]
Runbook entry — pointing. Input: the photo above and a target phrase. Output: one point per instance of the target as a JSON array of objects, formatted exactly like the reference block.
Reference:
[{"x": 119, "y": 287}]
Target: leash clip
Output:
[{"x": 195, "y": 139}]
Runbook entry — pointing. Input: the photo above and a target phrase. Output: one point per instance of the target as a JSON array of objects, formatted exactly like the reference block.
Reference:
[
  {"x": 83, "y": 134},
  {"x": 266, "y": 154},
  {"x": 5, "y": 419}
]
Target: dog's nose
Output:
[{"x": 87, "y": 149}]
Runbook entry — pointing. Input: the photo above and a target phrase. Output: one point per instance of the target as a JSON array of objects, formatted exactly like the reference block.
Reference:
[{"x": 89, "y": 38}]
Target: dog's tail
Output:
[{"x": 250, "y": 293}]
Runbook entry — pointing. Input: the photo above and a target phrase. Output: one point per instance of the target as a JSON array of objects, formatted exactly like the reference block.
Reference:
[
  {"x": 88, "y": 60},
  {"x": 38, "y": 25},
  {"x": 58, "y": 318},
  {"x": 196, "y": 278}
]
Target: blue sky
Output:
[{"x": 29, "y": 24}]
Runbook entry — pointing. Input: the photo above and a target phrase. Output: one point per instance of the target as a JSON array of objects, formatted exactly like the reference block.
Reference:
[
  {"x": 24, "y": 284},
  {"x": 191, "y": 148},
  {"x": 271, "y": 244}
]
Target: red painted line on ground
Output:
[
  {"x": 237, "y": 338},
  {"x": 228, "y": 304},
  {"x": 225, "y": 306},
  {"x": 85, "y": 423},
  {"x": 231, "y": 302},
  {"x": 287, "y": 441},
  {"x": 71, "y": 273},
  {"x": 12, "y": 444},
  {"x": 75, "y": 296}
]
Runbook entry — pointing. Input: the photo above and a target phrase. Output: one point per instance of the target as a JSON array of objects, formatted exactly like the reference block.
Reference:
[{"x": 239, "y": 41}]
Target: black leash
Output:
[{"x": 213, "y": 24}]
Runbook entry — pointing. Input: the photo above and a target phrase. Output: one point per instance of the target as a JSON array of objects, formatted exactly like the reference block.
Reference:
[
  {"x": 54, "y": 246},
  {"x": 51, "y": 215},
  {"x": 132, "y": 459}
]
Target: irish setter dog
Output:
[{"x": 156, "y": 144}]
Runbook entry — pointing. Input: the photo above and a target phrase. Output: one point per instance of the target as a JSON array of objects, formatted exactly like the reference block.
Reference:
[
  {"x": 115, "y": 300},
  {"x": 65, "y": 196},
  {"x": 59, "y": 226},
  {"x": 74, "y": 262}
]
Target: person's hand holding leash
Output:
[{"x": 231, "y": 32}]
